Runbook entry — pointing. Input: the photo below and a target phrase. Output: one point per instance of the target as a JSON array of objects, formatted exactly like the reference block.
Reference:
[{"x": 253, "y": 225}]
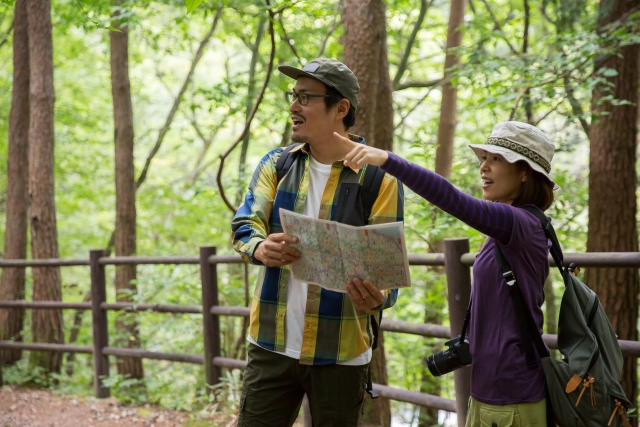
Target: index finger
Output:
[
  {"x": 345, "y": 141},
  {"x": 283, "y": 237}
]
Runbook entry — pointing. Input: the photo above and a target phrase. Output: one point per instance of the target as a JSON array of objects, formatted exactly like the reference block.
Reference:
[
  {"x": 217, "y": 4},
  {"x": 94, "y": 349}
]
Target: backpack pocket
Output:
[{"x": 591, "y": 399}]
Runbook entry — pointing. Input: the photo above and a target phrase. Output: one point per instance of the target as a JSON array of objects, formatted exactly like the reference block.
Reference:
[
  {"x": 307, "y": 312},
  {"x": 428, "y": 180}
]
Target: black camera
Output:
[{"x": 456, "y": 356}]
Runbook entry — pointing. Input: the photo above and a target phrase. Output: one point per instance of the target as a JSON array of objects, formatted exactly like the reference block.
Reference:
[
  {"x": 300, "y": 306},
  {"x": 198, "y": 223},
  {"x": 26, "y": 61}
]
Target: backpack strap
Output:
[
  {"x": 526, "y": 325},
  {"x": 556, "y": 250},
  {"x": 375, "y": 326},
  {"x": 373, "y": 176},
  {"x": 285, "y": 161}
]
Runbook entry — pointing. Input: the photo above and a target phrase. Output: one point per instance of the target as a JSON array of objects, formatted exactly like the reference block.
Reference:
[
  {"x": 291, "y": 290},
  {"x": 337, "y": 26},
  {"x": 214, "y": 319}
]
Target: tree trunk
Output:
[
  {"x": 46, "y": 325},
  {"x": 444, "y": 162},
  {"x": 125, "y": 230},
  {"x": 612, "y": 189},
  {"x": 365, "y": 53},
  {"x": 448, "y": 108},
  {"x": 428, "y": 417},
  {"x": 15, "y": 243}
]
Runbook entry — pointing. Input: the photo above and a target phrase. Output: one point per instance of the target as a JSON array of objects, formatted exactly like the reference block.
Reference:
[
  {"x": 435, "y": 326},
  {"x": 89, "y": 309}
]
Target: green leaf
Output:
[
  {"x": 609, "y": 72},
  {"x": 192, "y": 5}
]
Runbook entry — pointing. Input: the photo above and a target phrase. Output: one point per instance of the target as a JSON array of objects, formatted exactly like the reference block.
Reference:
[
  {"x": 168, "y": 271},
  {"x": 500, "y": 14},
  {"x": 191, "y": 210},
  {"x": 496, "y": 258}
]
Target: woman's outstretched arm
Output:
[{"x": 492, "y": 219}]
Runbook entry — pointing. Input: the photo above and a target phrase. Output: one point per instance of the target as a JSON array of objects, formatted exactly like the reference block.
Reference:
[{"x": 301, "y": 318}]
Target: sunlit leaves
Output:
[{"x": 192, "y": 5}]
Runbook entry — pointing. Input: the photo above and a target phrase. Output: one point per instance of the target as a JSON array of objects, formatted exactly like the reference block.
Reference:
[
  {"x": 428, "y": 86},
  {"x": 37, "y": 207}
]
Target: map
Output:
[{"x": 334, "y": 253}]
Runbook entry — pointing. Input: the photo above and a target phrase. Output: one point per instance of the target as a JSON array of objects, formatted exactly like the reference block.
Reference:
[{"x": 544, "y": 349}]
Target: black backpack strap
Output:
[
  {"x": 556, "y": 250},
  {"x": 373, "y": 176},
  {"x": 375, "y": 326},
  {"x": 369, "y": 190},
  {"x": 369, "y": 387},
  {"x": 526, "y": 325},
  {"x": 285, "y": 161}
]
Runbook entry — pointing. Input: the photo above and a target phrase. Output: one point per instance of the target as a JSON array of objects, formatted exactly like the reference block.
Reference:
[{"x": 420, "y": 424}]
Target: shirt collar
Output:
[{"x": 356, "y": 138}]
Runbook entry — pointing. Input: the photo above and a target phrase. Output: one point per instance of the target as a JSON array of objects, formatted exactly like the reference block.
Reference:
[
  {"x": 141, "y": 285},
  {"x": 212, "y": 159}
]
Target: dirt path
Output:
[
  {"x": 36, "y": 408},
  {"x": 42, "y": 408}
]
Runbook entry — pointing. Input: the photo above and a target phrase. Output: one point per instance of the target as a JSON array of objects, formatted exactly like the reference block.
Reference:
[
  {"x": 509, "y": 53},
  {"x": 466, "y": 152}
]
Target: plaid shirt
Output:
[{"x": 334, "y": 330}]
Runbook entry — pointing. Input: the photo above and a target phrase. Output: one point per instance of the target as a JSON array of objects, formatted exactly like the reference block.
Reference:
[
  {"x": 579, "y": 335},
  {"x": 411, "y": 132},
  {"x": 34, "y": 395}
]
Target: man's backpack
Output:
[
  {"x": 355, "y": 203},
  {"x": 584, "y": 388}
]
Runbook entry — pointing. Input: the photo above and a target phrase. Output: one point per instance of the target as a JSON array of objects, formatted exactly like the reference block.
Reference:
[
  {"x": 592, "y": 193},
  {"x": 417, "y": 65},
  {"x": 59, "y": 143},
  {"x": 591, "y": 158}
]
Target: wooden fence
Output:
[{"x": 456, "y": 260}]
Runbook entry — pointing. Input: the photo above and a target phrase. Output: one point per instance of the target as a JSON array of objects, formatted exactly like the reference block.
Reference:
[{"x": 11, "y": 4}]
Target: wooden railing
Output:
[{"x": 456, "y": 260}]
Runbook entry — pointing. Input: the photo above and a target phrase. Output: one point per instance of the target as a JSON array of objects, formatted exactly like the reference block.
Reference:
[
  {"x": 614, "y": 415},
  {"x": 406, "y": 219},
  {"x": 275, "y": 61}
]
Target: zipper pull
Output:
[
  {"x": 586, "y": 383},
  {"x": 621, "y": 411}
]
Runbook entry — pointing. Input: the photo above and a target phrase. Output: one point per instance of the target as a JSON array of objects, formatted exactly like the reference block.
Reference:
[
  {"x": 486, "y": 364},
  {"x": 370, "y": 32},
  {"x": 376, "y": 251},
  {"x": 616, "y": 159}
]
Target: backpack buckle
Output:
[{"x": 509, "y": 278}]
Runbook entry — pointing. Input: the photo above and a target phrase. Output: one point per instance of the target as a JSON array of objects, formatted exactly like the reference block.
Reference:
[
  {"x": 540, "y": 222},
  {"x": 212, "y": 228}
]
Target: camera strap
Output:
[
  {"x": 465, "y": 326},
  {"x": 528, "y": 329}
]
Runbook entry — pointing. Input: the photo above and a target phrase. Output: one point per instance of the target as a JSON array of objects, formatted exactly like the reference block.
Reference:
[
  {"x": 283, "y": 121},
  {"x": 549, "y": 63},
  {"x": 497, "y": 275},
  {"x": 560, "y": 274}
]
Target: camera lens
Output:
[{"x": 442, "y": 363}]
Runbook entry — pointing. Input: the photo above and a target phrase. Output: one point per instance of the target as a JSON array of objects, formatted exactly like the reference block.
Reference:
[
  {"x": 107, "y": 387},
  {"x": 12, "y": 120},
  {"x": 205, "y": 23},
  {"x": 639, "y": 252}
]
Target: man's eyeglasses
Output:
[{"x": 302, "y": 97}]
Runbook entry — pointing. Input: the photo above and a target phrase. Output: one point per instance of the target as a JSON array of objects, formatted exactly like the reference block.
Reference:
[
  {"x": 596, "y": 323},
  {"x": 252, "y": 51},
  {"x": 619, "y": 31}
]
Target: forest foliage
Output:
[{"x": 549, "y": 78}]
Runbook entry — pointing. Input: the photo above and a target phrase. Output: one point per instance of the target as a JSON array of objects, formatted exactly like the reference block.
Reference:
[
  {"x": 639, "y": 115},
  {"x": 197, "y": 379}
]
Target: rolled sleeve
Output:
[{"x": 250, "y": 225}]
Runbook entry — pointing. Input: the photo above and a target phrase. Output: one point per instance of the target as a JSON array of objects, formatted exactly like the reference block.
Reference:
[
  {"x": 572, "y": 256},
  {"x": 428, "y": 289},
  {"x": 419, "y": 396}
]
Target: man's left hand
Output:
[{"x": 364, "y": 295}]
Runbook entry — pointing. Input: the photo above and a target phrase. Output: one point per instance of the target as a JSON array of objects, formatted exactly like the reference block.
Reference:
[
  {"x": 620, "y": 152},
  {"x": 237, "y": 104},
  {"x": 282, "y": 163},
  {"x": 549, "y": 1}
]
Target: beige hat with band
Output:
[{"x": 517, "y": 141}]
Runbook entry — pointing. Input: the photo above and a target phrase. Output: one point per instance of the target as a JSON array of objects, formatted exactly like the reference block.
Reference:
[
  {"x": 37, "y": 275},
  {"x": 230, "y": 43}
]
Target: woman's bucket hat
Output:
[{"x": 517, "y": 141}]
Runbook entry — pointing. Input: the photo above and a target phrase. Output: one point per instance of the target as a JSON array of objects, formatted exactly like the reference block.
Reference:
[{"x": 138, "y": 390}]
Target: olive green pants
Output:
[
  {"x": 532, "y": 414},
  {"x": 274, "y": 386}
]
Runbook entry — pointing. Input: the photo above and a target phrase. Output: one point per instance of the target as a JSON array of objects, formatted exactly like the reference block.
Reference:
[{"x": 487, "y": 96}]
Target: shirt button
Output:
[{"x": 283, "y": 286}]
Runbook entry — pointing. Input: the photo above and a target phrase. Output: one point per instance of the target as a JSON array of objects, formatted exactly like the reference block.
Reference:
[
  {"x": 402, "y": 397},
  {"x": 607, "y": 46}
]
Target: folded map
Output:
[{"x": 334, "y": 253}]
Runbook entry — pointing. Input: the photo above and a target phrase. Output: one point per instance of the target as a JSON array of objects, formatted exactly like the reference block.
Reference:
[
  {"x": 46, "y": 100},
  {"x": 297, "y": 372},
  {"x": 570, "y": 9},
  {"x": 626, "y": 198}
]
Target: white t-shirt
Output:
[{"x": 297, "y": 290}]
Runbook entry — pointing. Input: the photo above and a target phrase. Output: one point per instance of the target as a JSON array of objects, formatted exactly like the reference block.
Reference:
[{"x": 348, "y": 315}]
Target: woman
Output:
[{"x": 514, "y": 166}]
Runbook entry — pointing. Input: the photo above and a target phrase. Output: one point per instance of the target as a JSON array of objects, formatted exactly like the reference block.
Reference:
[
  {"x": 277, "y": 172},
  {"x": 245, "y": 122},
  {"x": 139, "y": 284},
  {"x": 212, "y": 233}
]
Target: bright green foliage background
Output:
[{"x": 179, "y": 210}]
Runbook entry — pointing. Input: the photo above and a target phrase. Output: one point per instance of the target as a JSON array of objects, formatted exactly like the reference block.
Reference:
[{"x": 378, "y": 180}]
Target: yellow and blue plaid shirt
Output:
[{"x": 334, "y": 330}]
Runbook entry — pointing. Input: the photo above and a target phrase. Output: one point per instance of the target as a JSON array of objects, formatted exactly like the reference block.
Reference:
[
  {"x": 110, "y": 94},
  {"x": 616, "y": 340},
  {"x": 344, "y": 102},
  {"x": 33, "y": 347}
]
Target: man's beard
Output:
[{"x": 299, "y": 138}]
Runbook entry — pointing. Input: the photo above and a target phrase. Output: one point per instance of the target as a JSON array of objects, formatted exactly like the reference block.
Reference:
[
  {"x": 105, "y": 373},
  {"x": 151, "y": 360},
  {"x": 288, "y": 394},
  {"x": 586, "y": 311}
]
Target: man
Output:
[{"x": 304, "y": 339}]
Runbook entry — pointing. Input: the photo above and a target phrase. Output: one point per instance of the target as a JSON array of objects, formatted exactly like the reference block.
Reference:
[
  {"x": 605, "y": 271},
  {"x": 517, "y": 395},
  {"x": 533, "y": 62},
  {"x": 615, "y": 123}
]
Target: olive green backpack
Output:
[{"x": 584, "y": 388}]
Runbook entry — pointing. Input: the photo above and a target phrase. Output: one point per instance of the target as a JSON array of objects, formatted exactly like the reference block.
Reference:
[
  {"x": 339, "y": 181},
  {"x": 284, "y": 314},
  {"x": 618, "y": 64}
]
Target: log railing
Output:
[{"x": 456, "y": 260}]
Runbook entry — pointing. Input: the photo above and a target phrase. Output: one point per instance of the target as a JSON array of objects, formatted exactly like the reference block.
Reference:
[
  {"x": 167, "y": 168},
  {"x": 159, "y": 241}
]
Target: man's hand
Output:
[
  {"x": 364, "y": 295},
  {"x": 361, "y": 154},
  {"x": 275, "y": 251}
]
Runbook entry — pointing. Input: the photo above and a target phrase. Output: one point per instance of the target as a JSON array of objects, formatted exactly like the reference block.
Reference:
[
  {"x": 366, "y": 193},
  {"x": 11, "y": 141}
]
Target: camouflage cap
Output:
[{"x": 330, "y": 72}]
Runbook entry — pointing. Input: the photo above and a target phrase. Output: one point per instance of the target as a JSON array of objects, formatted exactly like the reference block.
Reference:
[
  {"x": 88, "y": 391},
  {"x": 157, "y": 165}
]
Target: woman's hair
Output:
[{"x": 536, "y": 190}]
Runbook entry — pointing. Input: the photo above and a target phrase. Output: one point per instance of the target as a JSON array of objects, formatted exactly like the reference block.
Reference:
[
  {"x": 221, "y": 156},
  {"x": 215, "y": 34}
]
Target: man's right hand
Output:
[{"x": 275, "y": 251}]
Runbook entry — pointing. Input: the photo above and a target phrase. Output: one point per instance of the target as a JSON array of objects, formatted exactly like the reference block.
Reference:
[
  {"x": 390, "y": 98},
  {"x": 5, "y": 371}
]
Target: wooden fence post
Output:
[
  {"x": 99, "y": 321},
  {"x": 459, "y": 286},
  {"x": 209, "y": 277}
]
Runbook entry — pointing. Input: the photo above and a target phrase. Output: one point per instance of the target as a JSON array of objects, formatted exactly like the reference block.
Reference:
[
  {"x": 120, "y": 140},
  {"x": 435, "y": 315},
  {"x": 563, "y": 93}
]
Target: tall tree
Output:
[
  {"x": 125, "y": 231},
  {"x": 612, "y": 185},
  {"x": 449, "y": 105},
  {"x": 444, "y": 154},
  {"x": 365, "y": 53},
  {"x": 15, "y": 243},
  {"x": 46, "y": 325}
]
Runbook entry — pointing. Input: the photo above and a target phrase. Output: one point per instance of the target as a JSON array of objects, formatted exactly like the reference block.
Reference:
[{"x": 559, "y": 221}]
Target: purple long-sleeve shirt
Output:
[{"x": 499, "y": 373}]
